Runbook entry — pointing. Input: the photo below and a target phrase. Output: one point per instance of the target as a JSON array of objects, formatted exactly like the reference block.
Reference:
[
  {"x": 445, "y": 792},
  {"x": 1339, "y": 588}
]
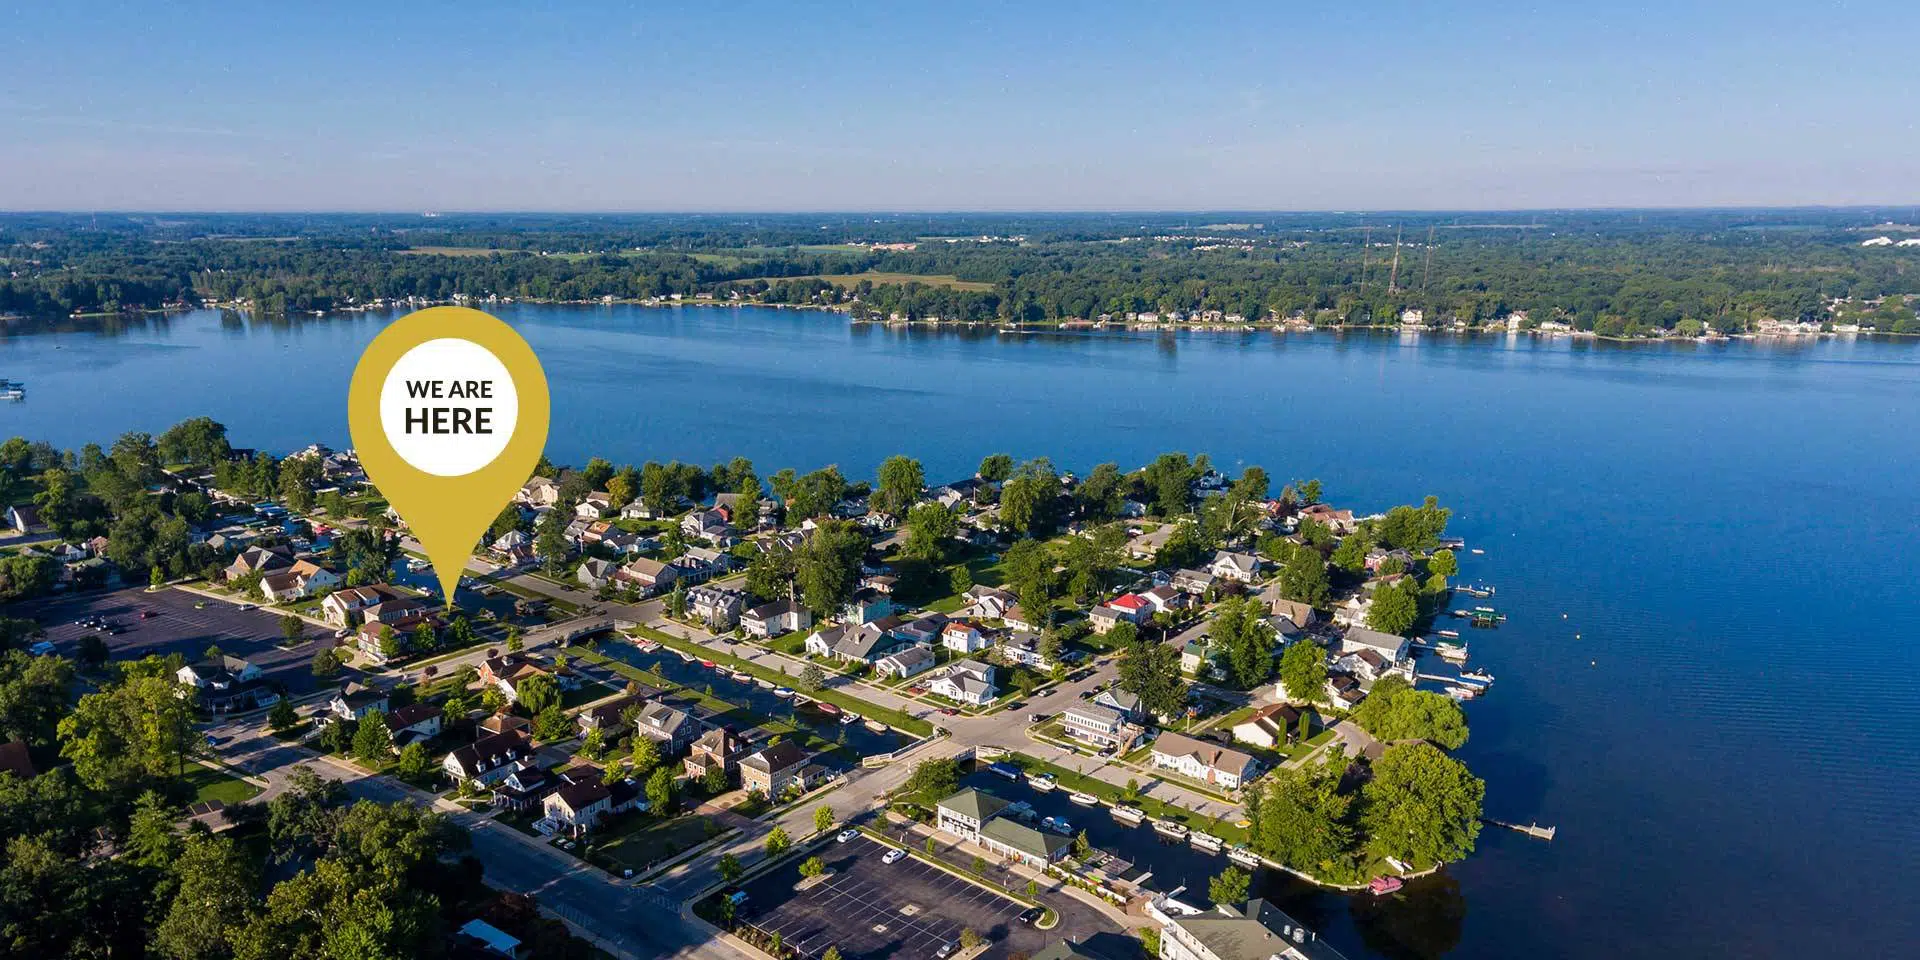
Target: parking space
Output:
[
  {"x": 175, "y": 624},
  {"x": 870, "y": 910}
]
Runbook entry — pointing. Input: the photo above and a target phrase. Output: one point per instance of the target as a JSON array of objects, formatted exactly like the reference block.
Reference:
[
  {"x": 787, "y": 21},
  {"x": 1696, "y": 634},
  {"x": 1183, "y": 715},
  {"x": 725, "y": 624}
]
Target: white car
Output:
[
  {"x": 894, "y": 856},
  {"x": 846, "y": 835}
]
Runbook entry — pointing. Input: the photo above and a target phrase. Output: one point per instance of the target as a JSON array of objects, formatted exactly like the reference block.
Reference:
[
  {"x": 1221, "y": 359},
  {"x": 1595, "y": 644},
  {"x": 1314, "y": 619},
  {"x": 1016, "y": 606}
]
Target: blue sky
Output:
[{"x": 910, "y": 106}]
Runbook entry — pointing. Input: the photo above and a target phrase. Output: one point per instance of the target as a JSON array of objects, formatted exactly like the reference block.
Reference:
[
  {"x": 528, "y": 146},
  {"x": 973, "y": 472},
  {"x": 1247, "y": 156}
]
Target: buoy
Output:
[
  {"x": 1576, "y": 636},
  {"x": 1593, "y": 663},
  {"x": 1563, "y": 616}
]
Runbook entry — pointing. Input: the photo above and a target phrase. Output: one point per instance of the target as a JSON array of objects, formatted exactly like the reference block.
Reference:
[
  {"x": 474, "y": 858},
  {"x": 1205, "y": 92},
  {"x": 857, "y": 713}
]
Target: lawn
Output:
[
  {"x": 210, "y": 784},
  {"x": 793, "y": 644},
  {"x": 586, "y": 693},
  {"x": 639, "y": 840}
]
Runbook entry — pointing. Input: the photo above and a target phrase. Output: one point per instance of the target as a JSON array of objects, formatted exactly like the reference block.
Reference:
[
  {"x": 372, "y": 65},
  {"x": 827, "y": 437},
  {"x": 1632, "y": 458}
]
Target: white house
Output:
[
  {"x": 967, "y": 681},
  {"x": 1203, "y": 761},
  {"x": 906, "y": 662},
  {"x": 1227, "y": 565},
  {"x": 776, "y": 618},
  {"x": 963, "y": 637}
]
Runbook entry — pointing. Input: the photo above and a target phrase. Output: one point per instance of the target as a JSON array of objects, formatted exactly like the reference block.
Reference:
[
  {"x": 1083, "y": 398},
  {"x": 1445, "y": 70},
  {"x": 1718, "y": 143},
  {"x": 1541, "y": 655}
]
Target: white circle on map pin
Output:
[{"x": 448, "y": 359}]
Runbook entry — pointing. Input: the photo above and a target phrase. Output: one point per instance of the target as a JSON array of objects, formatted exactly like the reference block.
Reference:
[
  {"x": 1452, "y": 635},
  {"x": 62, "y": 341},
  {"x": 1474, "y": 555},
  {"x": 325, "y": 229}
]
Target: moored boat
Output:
[
  {"x": 1381, "y": 886},
  {"x": 685, "y": 656},
  {"x": 1168, "y": 828},
  {"x": 1083, "y": 799},
  {"x": 846, "y": 718},
  {"x": 876, "y": 726},
  {"x": 1126, "y": 814},
  {"x": 1204, "y": 841},
  {"x": 783, "y": 692},
  {"x": 826, "y": 708},
  {"x": 1478, "y": 676},
  {"x": 1238, "y": 853},
  {"x": 1461, "y": 693},
  {"x": 709, "y": 664},
  {"x": 1044, "y": 783}
]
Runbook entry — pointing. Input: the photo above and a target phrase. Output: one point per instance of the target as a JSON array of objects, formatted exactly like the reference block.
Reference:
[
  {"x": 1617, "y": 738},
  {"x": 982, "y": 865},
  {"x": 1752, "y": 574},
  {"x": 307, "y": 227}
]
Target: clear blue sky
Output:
[{"x": 406, "y": 106}]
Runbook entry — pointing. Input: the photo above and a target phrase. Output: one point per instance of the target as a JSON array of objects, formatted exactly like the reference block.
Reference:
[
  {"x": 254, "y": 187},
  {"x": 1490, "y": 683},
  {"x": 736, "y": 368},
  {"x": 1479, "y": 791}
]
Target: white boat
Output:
[
  {"x": 1462, "y": 693},
  {"x": 1126, "y": 814},
  {"x": 876, "y": 726},
  {"x": 847, "y": 718},
  {"x": 1242, "y": 856},
  {"x": 1167, "y": 828},
  {"x": 685, "y": 657},
  {"x": 1452, "y": 651},
  {"x": 1449, "y": 634},
  {"x": 1044, "y": 783},
  {"x": 1205, "y": 841},
  {"x": 1478, "y": 552},
  {"x": 1057, "y": 825},
  {"x": 1084, "y": 799},
  {"x": 782, "y": 692},
  {"x": 1478, "y": 676},
  {"x": 764, "y": 684}
]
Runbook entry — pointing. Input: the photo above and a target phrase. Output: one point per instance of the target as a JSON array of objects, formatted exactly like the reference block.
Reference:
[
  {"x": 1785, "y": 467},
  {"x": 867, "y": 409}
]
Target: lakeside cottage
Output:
[{"x": 1203, "y": 760}]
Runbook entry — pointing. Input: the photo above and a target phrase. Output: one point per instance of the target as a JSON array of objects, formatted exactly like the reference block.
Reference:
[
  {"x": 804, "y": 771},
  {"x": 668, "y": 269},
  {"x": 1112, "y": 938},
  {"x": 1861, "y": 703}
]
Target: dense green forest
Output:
[{"x": 1621, "y": 273}]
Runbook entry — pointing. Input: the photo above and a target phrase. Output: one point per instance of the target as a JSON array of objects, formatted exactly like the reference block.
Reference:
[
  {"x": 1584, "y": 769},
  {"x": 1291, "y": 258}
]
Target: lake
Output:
[{"x": 1707, "y": 552}]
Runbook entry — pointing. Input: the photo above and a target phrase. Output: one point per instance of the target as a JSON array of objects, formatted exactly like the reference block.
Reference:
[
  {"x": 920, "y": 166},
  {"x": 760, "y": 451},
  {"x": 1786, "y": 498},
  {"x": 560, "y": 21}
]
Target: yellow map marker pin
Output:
[{"x": 449, "y": 415}]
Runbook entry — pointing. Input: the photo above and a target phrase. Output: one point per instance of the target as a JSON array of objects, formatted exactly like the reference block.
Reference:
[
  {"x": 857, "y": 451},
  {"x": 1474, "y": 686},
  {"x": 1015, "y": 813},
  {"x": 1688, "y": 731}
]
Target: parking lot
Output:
[
  {"x": 870, "y": 910},
  {"x": 177, "y": 626}
]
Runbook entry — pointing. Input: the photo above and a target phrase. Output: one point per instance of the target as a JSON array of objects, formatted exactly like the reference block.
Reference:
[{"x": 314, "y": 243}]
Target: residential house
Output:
[
  {"x": 976, "y": 816},
  {"x": 594, "y": 506},
  {"x": 492, "y": 939},
  {"x": 1393, "y": 649},
  {"x": 24, "y": 519},
  {"x": 1303, "y": 615},
  {"x": 717, "y": 748},
  {"x": 966, "y": 681},
  {"x": 1203, "y": 760},
  {"x": 673, "y": 729},
  {"x": 963, "y": 637},
  {"x": 1193, "y": 643},
  {"x": 1344, "y": 691},
  {"x": 925, "y": 628},
  {"x": 1194, "y": 583},
  {"x": 706, "y": 525},
  {"x": 489, "y": 759},
  {"x": 866, "y": 605},
  {"x": 1023, "y": 647},
  {"x": 343, "y": 606},
  {"x": 1271, "y": 726},
  {"x": 1166, "y": 598},
  {"x": 905, "y": 662},
  {"x": 414, "y": 722},
  {"x": 776, "y": 769},
  {"x": 1228, "y": 565},
  {"x": 987, "y": 603},
  {"x": 718, "y": 607},
  {"x": 354, "y": 702},
  {"x": 302, "y": 579},
  {"x": 776, "y": 619},
  {"x": 1256, "y": 930},
  {"x": 1340, "y": 522},
  {"x": 256, "y": 560},
  {"x": 539, "y": 492},
  {"x": 227, "y": 684},
  {"x": 1102, "y": 726},
  {"x": 647, "y": 576},
  {"x": 864, "y": 643},
  {"x": 605, "y": 717},
  {"x": 523, "y": 787},
  {"x": 623, "y": 544},
  {"x": 700, "y": 564},
  {"x": 505, "y": 723},
  {"x": 1016, "y": 618},
  {"x": 577, "y": 806},
  {"x": 506, "y": 673},
  {"x": 1128, "y": 704},
  {"x": 595, "y": 573},
  {"x": 1126, "y": 608},
  {"x": 1147, "y": 545},
  {"x": 512, "y": 549}
]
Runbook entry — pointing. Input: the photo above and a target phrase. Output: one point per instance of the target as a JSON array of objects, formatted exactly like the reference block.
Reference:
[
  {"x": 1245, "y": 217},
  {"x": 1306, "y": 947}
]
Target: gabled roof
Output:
[
  {"x": 974, "y": 804},
  {"x": 489, "y": 748},
  {"x": 581, "y": 794},
  {"x": 1255, "y": 931},
  {"x": 666, "y": 719},
  {"x": 1023, "y": 838},
  {"x": 1211, "y": 755},
  {"x": 781, "y": 756},
  {"x": 411, "y": 714}
]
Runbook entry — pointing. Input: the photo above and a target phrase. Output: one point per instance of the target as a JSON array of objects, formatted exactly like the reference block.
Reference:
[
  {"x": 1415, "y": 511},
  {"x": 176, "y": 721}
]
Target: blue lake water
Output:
[{"x": 1728, "y": 744}]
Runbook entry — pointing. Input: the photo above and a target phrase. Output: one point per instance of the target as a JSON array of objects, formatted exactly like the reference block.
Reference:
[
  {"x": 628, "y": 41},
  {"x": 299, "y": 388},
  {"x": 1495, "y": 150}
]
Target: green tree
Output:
[
  {"x": 552, "y": 725},
  {"x": 646, "y": 754},
  {"x": 812, "y": 678},
  {"x": 930, "y": 527},
  {"x": 213, "y": 903},
  {"x": 934, "y": 779},
  {"x": 1029, "y": 575},
  {"x": 714, "y": 781},
  {"x": 1082, "y": 847},
  {"x": 1351, "y": 555},
  {"x": 33, "y": 695},
  {"x": 901, "y": 480},
  {"x": 594, "y": 745},
  {"x": 1301, "y": 818},
  {"x": 1151, "y": 671},
  {"x": 827, "y": 565},
  {"x": 1443, "y": 563},
  {"x": 414, "y": 764},
  {"x": 1421, "y": 806},
  {"x": 282, "y": 717},
  {"x": 1229, "y": 887},
  {"x": 1240, "y": 628},
  {"x": 1028, "y": 499},
  {"x": 822, "y": 818},
  {"x": 778, "y": 842},
  {"x": 730, "y": 868},
  {"x": 812, "y": 867},
  {"x": 291, "y": 627},
  {"x": 326, "y": 664},
  {"x": 660, "y": 791},
  {"x": 140, "y": 729},
  {"x": 1304, "y": 578},
  {"x": 151, "y": 838},
  {"x": 970, "y": 938},
  {"x": 372, "y": 741},
  {"x": 1395, "y": 711},
  {"x": 995, "y": 468},
  {"x": 1303, "y": 672},
  {"x": 1394, "y": 610},
  {"x": 537, "y": 693}
]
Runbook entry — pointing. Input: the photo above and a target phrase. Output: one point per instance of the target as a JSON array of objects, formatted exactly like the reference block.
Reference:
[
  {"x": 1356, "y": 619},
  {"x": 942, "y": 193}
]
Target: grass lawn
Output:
[
  {"x": 586, "y": 693},
  {"x": 793, "y": 644},
  {"x": 638, "y": 840},
  {"x": 210, "y": 784},
  {"x": 892, "y": 718}
]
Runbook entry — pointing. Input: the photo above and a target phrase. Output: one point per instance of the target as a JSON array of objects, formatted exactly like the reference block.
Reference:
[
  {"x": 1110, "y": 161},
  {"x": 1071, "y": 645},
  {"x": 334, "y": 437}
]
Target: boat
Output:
[
  {"x": 1083, "y": 799},
  {"x": 1478, "y": 676},
  {"x": 1057, "y": 825},
  {"x": 1453, "y": 543},
  {"x": 13, "y": 389},
  {"x": 1168, "y": 828},
  {"x": 645, "y": 645},
  {"x": 1475, "y": 590},
  {"x": 826, "y": 708},
  {"x": 1476, "y": 551},
  {"x": 783, "y": 692},
  {"x": 1205, "y": 841},
  {"x": 1044, "y": 783},
  {"x": 876, "y": 726},
  {"x": 1381, "y": 886},
  {"x": 1126, "y": 814},
  {"x": 709, "y": 664},
  {"x": 1451, "y": 651},
  {"x": 764, "y": 684},
  {"x": 685, "y": 656},
  {"x": 1238, "y": 853},
  {"x": 1449, "y": 634},
  {"x": 1461, "y": 693},
  {"x": 847, "y": 718}
]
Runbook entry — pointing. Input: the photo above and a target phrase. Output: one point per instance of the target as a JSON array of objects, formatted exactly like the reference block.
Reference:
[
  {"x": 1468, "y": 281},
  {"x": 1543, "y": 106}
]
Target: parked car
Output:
[
  {"x": 945, "y": 951},
  {"x": 894, "y": 856},
  {"x": 846, "y": 835},
  {"x": 1029, "y": 915}
]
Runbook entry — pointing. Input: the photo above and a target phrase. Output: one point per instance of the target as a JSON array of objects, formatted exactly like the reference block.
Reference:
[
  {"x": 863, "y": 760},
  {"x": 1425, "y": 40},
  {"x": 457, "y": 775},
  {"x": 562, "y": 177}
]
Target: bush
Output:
[{"x": 813, "y": 867}]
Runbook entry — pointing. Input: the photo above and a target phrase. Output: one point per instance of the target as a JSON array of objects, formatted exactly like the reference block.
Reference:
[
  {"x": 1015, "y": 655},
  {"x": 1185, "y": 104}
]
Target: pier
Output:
[{"x": 1532, "y": 829}]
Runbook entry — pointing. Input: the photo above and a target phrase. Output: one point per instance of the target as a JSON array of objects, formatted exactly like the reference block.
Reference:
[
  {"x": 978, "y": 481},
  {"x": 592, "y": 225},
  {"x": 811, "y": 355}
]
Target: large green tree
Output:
[
  {"x": 1421, "y": 806},
  {"x": 1303, "y": 672}
]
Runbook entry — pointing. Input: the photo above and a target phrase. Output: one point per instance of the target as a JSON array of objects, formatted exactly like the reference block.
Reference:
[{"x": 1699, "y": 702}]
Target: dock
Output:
[{"x": 1534, "y": 830}]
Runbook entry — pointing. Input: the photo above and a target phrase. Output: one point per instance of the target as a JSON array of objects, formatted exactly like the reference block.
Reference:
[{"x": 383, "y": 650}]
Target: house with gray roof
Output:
[
  {"x": 1256, "y": 930},
  {"x": 672, "y": 728}
]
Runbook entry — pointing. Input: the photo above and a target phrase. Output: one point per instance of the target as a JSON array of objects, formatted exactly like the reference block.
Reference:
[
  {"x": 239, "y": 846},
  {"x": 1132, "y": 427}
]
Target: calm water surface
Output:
[{"x": 1708, "y": 553}]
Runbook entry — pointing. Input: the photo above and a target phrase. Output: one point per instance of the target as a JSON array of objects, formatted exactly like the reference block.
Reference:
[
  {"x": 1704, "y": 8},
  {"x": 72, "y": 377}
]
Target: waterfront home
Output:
[
  {"x": 906, "y": 662},
  {"x": 1256, "y": 930},
  {"x": 256, "y": 560},
  {"x": 507, "y": 673},
  {"x": 1377, "y": 557},
  {"x": 577, "y": 806},
  {"x": 341, "y": 606},
  {"x": 776, "y": 619},
  {"x": 673, "y": 729},
  {"x": 539, "y": 492},
  {"x": 966, "y": 681},
  {"x": 858, "y": 643},
  {"x": 1353, "y": 612},
  {"x": 987, "y": 603},
  {"x": 1023, "y": 647},
  {"x": 1202, "y": 760},
  {"x": 865, "y": 606},
  {"x": 925, "y": 628},
  {"x": 414, "y": 722},
  {"x": 1194, "y": 583},
  {"x": 718, "y": 607},
  {"x": 1391, "y": 648},
  {"x": 1241, "y": 567},
  {"x": 595, "y": 573},
  {"x": 646, "y": 576},
  {"x": 963, "y": 637},
  {"x": 1101, "y": 726},
  {"x": 964, "y": 813},
  {"x": 511, "y": 549},
  {"x": 605, "y": 717},
  {"x": 1271, "y": 726},
  {"x": 717, "y": 748},
  {"x": 1343, "y": 691},
  {"x": 355, "y": 701},
  {"x": 1363, "y": 663},
  {"x": 1128, "y": 704},
  {"x": 1339, "y": 521},
  {"x": 774, "y": 770}
]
